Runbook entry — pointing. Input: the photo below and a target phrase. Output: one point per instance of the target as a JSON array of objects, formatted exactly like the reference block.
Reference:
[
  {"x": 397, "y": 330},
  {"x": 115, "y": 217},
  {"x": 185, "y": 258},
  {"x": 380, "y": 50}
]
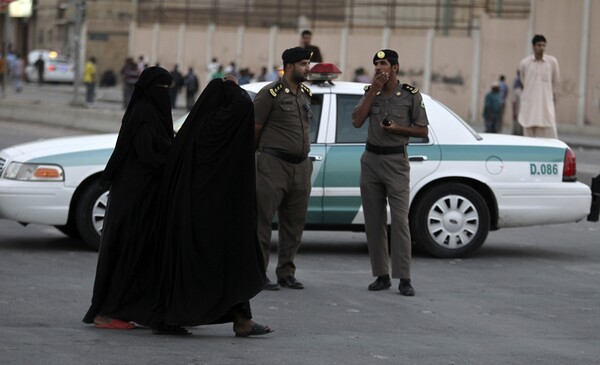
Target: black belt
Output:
[
  {"x": 380, "y": 150},
  {"x": 287, "y": 157}
]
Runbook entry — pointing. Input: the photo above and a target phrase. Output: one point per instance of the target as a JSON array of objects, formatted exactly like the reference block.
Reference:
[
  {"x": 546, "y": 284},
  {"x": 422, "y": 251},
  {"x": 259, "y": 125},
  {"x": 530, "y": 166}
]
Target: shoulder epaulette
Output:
[
  {"x": 305, "y": 89},
  {"x": 366, "y": 88},
  {"x": 412, "y": 89},
  {"x": 275, "y": 89}
]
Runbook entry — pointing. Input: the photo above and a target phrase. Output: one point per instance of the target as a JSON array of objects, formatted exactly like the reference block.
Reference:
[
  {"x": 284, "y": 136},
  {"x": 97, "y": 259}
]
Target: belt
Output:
[
  {"x": 380, "y": 150},
  {"x": 287, "y": 157}
]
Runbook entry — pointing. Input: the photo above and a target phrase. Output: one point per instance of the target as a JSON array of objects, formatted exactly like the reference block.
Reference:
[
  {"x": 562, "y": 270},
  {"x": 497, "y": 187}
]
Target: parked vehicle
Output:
[
  {"x": 57, "y": 68},
  {"x": 463, "y": 184}
]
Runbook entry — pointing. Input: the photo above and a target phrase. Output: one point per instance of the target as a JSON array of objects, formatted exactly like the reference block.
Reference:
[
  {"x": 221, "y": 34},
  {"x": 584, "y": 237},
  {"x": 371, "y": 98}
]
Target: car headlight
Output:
[{"x": 33, "y": 172}]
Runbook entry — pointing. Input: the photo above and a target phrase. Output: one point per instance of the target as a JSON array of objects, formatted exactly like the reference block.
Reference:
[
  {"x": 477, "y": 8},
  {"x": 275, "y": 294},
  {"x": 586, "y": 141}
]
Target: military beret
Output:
[
  {"x": 386, "y": 54},
  {"x": 293, "y": 55}
]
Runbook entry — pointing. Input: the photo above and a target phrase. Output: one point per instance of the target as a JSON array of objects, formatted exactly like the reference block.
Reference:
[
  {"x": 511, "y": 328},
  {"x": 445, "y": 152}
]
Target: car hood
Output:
[{"x": 38, "y": 150}]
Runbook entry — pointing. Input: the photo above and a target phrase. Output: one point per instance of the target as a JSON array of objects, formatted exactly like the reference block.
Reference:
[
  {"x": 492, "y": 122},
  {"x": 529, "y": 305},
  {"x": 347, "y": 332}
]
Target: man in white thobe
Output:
[{"x": 540, "y": 76}]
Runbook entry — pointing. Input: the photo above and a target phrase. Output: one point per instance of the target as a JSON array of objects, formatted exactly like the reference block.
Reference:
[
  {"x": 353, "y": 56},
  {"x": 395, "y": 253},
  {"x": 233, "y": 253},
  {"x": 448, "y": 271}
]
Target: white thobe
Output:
[{"x": 539, "y": 78}]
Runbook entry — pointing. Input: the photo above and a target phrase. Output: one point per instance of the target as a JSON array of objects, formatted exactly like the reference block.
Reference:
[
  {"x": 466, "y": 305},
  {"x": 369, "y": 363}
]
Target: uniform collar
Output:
[{"x": 287, "y": 87}]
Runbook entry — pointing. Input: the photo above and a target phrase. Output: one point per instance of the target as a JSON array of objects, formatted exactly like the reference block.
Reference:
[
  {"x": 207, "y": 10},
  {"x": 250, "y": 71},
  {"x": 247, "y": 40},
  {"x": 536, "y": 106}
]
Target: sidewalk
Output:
[
  {"x": 52, "y": 104},
  {"x": 55, "y": 105}
]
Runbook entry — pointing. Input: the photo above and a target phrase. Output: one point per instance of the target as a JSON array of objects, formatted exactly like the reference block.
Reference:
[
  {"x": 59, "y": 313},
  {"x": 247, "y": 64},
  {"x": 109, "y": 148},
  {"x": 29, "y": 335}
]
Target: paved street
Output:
[{"x": 529, "y": 296}]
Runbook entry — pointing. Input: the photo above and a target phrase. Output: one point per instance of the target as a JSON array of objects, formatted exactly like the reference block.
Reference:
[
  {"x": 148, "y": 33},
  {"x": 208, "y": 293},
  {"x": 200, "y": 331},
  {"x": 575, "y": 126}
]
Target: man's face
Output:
[
  {"x": 539, "y": 48},
  {"x": 384, "y": 66},
  {"x": 299, "y": 70},
  {"x": 306, "y": 39}
]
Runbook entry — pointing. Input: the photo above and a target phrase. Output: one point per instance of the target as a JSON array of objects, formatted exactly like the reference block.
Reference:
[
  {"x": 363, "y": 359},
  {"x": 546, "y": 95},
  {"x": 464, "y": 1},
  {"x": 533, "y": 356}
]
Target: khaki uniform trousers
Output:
[
  {"x": 383, "y": 179},
  {"x": 284, "y": 188}
]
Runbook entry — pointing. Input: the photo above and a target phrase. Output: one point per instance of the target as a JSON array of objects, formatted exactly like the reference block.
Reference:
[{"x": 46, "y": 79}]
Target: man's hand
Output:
[{"x": 379, "y": 81}]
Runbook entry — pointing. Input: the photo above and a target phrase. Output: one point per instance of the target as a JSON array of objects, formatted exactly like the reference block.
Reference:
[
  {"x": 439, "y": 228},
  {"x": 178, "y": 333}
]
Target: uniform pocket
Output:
[{"x": 286, "y": 105}]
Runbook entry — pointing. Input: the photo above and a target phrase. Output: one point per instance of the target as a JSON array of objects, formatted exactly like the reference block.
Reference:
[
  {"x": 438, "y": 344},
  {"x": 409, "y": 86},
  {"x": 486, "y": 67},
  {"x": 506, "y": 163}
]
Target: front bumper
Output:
[
  {"x": 35, "y": 202},
  {"x": 595, "y": 206}
]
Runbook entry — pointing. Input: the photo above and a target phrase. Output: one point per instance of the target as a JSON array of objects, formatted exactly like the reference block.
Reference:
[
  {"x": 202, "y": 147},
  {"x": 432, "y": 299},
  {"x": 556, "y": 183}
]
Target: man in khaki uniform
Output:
[
  {"x": 283, "y": 169},
  {"x": 396, "y": 112}
]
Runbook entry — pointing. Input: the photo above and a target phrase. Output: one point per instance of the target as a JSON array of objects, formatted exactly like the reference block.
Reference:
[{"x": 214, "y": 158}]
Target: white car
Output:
[
  {"x": 463, "y": 184},
  {"x": 56, "y": 68}
]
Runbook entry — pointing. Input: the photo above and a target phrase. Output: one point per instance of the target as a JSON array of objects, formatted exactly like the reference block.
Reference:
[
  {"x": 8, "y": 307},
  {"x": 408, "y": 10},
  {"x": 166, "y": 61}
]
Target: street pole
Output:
[{"x": 77, "y": 49}]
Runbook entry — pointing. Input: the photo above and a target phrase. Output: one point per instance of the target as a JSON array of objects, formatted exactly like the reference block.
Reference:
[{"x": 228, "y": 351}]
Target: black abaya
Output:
[
  {"x": 133, "y": 174},
  {"x": 212, "y": 260}
]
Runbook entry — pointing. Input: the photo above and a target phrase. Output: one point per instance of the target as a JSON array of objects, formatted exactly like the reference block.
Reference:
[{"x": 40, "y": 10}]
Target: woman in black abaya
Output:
[
  {"x": 212, "y": 262},
  {"x": 133, "y": 174}
]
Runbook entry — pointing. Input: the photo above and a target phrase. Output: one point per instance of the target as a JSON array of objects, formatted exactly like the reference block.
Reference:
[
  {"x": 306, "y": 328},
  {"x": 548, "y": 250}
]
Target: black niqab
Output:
[
  {"x": 149, "y": 103},
  {"x": 133, "y": 173},
  {"x": 212, "y": 260}
]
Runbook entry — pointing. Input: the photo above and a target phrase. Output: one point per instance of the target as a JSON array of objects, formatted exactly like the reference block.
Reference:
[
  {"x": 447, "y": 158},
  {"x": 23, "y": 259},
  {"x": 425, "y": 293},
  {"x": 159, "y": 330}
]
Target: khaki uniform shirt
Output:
[
  {"x": 285, "y": 117},
  {"x": 404, "y": 107},
  {"x": 539, "y": 78}
]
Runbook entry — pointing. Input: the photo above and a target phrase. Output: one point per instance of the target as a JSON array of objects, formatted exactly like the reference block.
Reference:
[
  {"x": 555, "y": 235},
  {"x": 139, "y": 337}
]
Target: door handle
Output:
[
  {"x": 417, "y": 158},
  {"x": 316, "y": 157}
]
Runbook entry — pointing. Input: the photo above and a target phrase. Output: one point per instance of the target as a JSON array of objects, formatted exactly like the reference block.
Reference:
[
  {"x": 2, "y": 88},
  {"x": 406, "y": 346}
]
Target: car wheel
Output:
[
  {"x": 450, "y": 220},
  {"x": 70, "y": 230},
  {"x": 90, "y": 211}
]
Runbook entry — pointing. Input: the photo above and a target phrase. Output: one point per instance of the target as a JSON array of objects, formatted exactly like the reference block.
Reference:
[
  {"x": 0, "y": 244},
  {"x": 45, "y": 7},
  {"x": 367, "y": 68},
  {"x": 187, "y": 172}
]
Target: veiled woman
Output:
[
  {"x": 212, "y": 263},
  {"x": 133, "y": 174}
]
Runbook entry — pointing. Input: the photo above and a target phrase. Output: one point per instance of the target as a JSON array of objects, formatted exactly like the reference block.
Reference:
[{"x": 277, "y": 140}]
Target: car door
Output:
[
  {"x": 320, "y": 102},
  {"x": 345, "y": 145}
]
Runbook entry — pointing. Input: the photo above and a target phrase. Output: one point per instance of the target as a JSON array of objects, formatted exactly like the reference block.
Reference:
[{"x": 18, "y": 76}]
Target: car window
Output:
[
  {"x": 345, "y": 131},
  {"x": 316, "y": 105}
]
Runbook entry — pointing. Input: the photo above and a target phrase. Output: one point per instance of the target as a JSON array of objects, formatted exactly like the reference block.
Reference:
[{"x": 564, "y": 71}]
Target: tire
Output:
[
  {"x": 90, "y": 211},
  {"x": 451, "y": 220},
  {"x": 70, "y": 230}
]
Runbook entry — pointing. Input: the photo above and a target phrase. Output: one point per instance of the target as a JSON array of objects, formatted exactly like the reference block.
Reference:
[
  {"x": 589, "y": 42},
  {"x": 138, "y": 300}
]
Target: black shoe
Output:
[
  {"x": 269, "y": 285},
  {"x": 383, "y": 282},
  {"x": 290, "y": 282},
  {"x": 165, "y": 329},
  {"x": 405, "y": 288}
]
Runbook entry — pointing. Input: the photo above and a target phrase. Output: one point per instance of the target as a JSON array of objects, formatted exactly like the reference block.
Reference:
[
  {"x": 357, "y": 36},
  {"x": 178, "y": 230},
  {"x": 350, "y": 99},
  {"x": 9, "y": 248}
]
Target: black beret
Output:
[
  {"x": 293, "y": 55},
  {"x": 387, "y": 54}
]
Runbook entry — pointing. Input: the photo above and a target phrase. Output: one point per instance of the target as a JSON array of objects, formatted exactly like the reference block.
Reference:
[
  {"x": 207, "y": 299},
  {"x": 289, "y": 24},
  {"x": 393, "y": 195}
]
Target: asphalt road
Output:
[{"x": 528, "y": 296}]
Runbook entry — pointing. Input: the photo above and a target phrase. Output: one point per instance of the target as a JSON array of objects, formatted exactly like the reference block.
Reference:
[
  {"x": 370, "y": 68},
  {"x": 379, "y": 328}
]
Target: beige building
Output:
[{"x": 453, "y": 50}]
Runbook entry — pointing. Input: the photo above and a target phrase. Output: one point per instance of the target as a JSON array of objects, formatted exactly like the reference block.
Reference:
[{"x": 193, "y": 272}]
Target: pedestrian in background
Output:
[
  {"x": 517, "y": 88},
  {"x": 219, "y": 74},
  {"x": 360, "y": 75},
  {"x": 305, "y": 42},
  {"x": 503, "y": 98},
  {"x": 396, "y": 112},
  {"x": 177, "y": 84},
  {"x": 89, "y": 79},
  {"x": 16, "y": 72},
  {"x": 492, "y": 110},
  {"x": 2, "y": 67},
  {"x": 130, "y": 75},
  {"x": 40, "y": 67},
  {"x": 540, "y": 76},
  {"x": 192, "y": 85},
  {"x": 133, "y": 174},
  {"x": 283, "y": 170}
]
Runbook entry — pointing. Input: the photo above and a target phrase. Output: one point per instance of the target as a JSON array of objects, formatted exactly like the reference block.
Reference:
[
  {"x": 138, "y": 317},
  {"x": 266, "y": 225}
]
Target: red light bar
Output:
[{"x": 325, "y": 68}]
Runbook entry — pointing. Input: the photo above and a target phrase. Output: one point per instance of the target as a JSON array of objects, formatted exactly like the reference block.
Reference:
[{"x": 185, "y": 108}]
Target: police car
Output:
[{"x": 463, "y": 184}]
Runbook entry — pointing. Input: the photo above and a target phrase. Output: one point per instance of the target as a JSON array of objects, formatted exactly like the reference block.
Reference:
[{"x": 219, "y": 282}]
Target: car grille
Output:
[{"x": 2, "y": 162}]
